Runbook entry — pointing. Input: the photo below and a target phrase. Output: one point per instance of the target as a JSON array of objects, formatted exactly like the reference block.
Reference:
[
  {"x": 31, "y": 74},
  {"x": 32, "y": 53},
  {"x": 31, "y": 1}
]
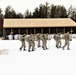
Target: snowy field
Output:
[{"x": 39, "y": 62}]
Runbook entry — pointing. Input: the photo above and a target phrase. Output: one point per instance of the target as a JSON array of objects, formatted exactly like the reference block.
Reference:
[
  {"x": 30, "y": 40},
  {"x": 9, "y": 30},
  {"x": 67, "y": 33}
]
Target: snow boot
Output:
[
  {"x": 29, "y": 51},
  {"x": 24, "y": 49},
  {"x": 39, "y": 46},
  {"x": 20, "y": 49},
  {"x": 43, "y": 48},
  {"x": 57, "y": 46},
  {"x": 46, "y": 48},
  {"x": 68, "y": 49},
  {"x": 32, "y": 49}
]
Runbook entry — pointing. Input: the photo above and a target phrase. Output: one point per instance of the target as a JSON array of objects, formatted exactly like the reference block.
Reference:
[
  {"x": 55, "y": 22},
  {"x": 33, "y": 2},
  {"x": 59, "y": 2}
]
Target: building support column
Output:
[
  {"x": 4, "y": 34},
  {"x": 42, "y": 30},
  {"x": 34, "y": 31},
  {"x": 27, "y": 31},
  {"x": 64, "y": 30},
  {"x": 49, "y": 35},
  {"x": 19, "y": 34},
  {"x": 56, "y": 30},
  {"x": 71, "y": 32},
  {"x": 11, "y": 32},
  {"x": 49, "y": 30},
  {"x": 19, "y": 31}
]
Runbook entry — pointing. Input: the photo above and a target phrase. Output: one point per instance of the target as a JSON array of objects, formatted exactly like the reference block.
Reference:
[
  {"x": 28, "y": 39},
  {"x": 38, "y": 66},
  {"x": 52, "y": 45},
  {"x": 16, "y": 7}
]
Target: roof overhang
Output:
[{"x": 37, "y": 23}]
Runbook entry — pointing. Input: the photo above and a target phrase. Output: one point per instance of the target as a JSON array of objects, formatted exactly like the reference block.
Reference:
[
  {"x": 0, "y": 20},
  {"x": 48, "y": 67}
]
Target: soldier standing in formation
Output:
[
  {"x": 23, "y": 42},
  {"x": 44, "y": 41},
  {"x": 38, "y": 38},
  {"x": 57, "y": 38},
  {"x": 31, "y": 42},
  {"x": 67, "y": 39}
]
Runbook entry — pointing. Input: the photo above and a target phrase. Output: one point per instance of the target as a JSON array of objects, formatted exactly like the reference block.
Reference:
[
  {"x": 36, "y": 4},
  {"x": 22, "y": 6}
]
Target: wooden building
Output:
[{"x": 41, "y": 25}]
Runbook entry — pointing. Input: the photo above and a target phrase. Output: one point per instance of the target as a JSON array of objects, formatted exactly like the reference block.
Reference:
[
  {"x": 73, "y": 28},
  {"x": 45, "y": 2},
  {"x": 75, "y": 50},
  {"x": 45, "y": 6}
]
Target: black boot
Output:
[
  {"x": 57, "y": 46},
  {"x": 68, "y": 49},
  {"x": 24, "y": 49},
  {"x": 32, "y": 49},
  {"x": 46, "y": 48},
  {"x": 39, "y": 46},
  {"x": 28, "y": 50},
  {"x": 43, "y": 48},
  {"x": 20, "y": 49}
]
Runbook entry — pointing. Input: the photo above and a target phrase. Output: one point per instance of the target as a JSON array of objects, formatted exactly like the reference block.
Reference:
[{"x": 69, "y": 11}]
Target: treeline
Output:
[{"x": 42, "y": 11}]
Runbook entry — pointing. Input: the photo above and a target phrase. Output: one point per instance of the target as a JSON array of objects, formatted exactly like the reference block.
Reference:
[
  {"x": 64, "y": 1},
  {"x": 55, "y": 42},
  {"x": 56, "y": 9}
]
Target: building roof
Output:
[{"x": 37, "y": 23}]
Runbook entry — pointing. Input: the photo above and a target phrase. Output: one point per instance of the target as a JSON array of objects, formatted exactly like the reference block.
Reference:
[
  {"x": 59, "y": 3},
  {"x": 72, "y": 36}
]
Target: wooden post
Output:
[
  {"x": 11, "y": 32},
  {"x": 19, "y": 34},
  {"x": 27, "y": 31},
  {"x": 19, "y": 31},
  {"x": 34, "y": 31},
  {"x": 71, "y": 32},
  {"x": 3, "y": 32},
  {"x": 56, "y": 30},
  {"x": 63, "y": 32},
  {"x": 49, "y": 34},
  {"x": 49, "y": 30},
  {"x": 64, "y": 29},
  {"x": 42, "y": 30}
]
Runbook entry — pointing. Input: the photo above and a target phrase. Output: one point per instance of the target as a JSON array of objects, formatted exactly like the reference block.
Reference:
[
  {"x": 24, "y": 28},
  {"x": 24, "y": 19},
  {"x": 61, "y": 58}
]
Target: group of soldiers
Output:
[
  {"x": 31, "y": 41},
  {"x": 67, "y": 39},
  {"x": 43, "y": 37}
]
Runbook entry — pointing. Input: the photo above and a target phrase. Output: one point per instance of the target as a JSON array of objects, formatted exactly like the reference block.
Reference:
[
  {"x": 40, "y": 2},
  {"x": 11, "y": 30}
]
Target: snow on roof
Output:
[{"x": 40, "y": 22}]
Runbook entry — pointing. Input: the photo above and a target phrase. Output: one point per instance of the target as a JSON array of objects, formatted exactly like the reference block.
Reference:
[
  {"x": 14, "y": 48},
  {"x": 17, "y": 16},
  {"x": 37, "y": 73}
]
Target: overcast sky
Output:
[{"x": 22, "y": 5}]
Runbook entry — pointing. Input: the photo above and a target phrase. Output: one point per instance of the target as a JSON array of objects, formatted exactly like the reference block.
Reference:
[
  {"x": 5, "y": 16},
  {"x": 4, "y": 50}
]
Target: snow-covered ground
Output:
[{"x": 39, "y": 62}]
